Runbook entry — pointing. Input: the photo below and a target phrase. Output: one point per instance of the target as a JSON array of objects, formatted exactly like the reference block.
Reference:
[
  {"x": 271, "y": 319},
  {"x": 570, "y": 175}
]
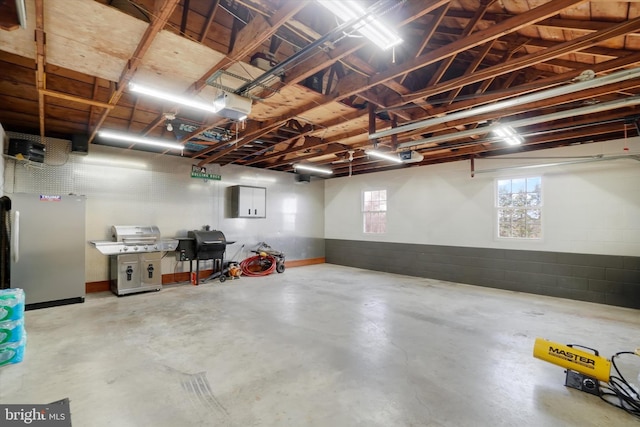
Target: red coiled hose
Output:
[{"x": 257, "y": 265}]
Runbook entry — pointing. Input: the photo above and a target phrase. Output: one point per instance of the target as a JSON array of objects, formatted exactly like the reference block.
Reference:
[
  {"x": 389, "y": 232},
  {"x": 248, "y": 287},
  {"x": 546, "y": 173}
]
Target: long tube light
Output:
[
  {"x": 392, "y": 157},
  {"x": 546, "y": 165},
  {"x": 22, "y": 13},
  {"x": 590, "y": 109},
  {"x": 365, "y": 23},
  {"x": 105, "y": 161},
  {"x": 538, "y": 96},
  {"x": 140, "y": 140},
  {"x": 176, "y": 99},
  {"x": 313, "y": 169}
]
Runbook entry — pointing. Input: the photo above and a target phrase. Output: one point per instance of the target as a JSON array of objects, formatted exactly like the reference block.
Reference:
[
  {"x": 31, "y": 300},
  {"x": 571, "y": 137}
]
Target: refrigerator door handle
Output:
[{"x": 15, "y": 238}]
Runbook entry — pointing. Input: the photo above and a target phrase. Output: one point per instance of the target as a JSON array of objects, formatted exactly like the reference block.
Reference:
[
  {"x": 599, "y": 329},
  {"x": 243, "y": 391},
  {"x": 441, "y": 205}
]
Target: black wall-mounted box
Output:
[
  {"x": 80, "y": 144},
  {"x": 30, "y": 150}
]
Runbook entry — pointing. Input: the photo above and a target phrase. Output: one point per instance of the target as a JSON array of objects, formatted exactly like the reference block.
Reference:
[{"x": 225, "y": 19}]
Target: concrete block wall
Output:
[{"x": 605, "y": 279}]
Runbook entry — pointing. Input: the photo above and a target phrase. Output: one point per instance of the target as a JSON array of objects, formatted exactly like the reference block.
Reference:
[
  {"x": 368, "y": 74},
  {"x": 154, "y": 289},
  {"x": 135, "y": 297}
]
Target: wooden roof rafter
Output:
[
  {"x": 417, "y": 10},
  {"x": 158, "y": 21}
]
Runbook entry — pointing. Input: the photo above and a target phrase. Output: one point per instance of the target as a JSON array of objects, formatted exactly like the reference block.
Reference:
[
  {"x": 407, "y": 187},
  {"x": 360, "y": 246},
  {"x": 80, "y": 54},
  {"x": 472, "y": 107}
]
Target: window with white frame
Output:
[
  {"x": 519, "y": 207},
  {"x": 374, "y": 211}
]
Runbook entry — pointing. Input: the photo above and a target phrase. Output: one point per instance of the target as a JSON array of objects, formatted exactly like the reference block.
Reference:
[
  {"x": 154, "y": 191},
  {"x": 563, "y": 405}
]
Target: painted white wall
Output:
[
  {"x": 3, "y": 143},
  {"x": 138, "y": 188},
  {"x": 588, "y": 208}
]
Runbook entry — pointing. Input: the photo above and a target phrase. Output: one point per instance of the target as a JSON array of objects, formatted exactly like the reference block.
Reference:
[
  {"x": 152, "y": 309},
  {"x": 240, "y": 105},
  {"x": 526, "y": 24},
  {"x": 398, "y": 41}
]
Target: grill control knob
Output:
[
  {"x": 155, "y": 247},
  {"x": 125, "y": 249},
  {"x": 135, "y": 248},
  {"x": 145, "y": 247}
]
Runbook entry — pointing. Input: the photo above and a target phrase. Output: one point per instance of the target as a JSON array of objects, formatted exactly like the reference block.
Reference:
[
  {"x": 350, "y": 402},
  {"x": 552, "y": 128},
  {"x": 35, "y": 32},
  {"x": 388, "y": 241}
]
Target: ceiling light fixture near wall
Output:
[
  {"x": 313, "y": 169},
  {"x": 508, "y": 135},
  {"x": 392, "y": 157},
  {"x": 364, "y": 22},
  {"x": 107, "y": 134}
]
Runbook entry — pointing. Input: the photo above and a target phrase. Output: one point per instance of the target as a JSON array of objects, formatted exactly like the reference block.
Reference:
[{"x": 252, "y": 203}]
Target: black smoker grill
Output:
[{"x": 203, "y": 245}]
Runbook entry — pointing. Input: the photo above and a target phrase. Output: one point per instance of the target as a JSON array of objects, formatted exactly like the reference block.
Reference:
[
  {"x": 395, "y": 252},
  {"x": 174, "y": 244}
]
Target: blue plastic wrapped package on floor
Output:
[
  {"x": 13, "y": 352},
  {"x": 11, "y": 331},
  {"x": 11, "y": 304}
]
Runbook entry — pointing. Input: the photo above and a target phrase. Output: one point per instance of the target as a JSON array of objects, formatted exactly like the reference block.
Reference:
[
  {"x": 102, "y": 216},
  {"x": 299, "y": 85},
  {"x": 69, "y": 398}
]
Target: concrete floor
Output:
[{"x": 321, "y": 345}]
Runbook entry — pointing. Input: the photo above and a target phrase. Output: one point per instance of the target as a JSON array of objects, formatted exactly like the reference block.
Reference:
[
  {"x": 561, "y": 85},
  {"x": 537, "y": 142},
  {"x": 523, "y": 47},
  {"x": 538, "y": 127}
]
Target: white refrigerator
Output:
[{"x": 48, "y": 248}]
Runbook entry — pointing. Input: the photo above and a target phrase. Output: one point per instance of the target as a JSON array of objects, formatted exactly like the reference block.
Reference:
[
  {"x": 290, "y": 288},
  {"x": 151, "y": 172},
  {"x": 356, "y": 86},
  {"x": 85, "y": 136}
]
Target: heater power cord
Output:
[{"x": 619, "y": 392}]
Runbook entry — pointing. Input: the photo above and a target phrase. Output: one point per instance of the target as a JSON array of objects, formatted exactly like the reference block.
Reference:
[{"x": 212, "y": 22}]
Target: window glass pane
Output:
[
  {"x": 519, "y": 199},
  {"x": 380, "y": 222},
  {"x": 504, "y": 186},
  {"x": 533, "y": 184},
  {"x": 375, "y": 201},
  {"x": 504, "y": 223},
  {"x": 504, "y": 199},
  {"x": 374, "y": 211},
  {"x": 518, "y": 223},
  {"x": 533, "y": 199},
  {"x": 518, "y": 185},
  {"x": 374, "y": 222},
  {"x": 519, "y": 214},
  {"x": 533, "y": 215}
]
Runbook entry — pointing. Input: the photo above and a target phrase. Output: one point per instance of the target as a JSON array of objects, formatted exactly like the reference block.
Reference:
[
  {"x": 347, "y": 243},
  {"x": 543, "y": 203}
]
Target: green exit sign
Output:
[{"x": 198, "y": 172}]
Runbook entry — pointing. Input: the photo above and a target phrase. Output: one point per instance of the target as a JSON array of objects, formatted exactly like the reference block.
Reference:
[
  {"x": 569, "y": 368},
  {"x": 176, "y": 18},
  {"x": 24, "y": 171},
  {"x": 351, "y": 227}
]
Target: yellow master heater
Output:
[
  {"x": 584, "y": 369},
  {"x": 568, "y": 356},
  {"x": 588, "y": 372}
]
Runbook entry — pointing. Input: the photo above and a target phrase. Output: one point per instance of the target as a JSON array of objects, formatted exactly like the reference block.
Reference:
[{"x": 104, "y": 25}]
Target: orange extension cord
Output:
[{"x": 253, "y": 266}]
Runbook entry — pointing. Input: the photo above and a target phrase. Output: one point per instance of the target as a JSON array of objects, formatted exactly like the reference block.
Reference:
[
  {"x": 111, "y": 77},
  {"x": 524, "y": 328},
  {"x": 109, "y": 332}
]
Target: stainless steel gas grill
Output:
[{"x": 134, "y": 258}]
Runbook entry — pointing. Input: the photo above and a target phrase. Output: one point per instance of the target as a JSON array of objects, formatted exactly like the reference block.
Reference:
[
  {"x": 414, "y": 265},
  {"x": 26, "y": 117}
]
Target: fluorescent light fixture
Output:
[
  {"x": 258, "y": 178},
  {"x": 392, "y": 157},
  {"x": 140, "y": 140},
  {"x": 313, "y": 169},
  {"x": 176, "y": 99},
  {"x": 508, "y": 135},
  {"x": 105, "y": 161},
  {"x": 21, "y": 8},
  {"x": 365, "y": 23}
]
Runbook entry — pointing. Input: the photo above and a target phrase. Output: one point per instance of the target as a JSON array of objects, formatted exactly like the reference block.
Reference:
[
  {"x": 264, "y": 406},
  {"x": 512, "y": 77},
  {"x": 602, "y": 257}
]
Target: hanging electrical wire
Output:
[{"x": 619, "y": 392}]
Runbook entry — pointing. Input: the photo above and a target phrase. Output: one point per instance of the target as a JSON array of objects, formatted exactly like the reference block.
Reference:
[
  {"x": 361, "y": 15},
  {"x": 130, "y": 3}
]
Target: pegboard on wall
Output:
[
  {"x": 52, "y": 176},
  {"x": 141, "y": 179},
  {"x": 57, "y": 150}
]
